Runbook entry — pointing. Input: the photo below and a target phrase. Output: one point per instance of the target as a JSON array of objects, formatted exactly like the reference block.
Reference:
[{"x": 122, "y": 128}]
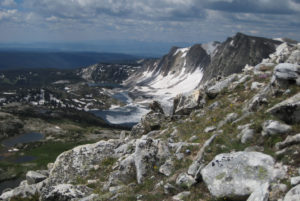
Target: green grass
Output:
[{"x": 48, "y": 152}]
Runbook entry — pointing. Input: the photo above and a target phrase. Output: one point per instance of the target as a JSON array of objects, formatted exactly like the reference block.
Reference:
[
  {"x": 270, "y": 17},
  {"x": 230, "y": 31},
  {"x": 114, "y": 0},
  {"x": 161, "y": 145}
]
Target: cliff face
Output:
[{"x": 233, "y": 54}]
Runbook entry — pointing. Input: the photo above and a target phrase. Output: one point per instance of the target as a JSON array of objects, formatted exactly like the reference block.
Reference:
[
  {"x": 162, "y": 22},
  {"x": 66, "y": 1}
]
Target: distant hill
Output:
[{"x": 10, "y": 59}]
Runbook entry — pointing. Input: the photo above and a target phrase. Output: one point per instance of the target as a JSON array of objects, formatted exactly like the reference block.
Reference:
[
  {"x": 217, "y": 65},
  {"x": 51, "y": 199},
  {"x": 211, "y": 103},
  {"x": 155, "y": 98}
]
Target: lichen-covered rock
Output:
[
  {"x": 237, "y": 175},
  {"x": 287, "y": 110},
  {"x": 271, "y": 127},
  {"x": 80, "y": 160},
  {"x": 293, "y": 194},
  {"x": 149, "y": 153},
  {"x": 65, "y": 192}
]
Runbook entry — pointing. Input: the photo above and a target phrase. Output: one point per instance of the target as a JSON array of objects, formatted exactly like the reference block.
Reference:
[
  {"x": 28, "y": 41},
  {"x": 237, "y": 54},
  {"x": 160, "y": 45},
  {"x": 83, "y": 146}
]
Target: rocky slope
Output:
[
  {"x": 184, "y": 69},
  {"x": 236, "y": 138}
]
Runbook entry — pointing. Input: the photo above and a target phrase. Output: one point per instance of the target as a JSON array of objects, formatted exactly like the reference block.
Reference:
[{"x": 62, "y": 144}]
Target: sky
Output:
[{"x": 148, "y": 21}]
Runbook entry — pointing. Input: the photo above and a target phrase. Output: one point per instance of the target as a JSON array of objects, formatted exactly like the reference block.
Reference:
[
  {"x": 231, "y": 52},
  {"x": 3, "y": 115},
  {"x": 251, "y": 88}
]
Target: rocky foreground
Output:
[{"x": 236, "y": 138}]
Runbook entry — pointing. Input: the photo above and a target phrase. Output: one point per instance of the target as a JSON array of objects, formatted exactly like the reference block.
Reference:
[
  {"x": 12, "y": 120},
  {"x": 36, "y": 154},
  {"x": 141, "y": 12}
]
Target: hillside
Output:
[
  {"x": 60, "y": 60},
  {"x": 232, "y": 138}
]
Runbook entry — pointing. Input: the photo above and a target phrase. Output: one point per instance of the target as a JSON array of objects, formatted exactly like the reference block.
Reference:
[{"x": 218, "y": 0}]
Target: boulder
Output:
[
  {"x": 65, "y": 192},
  {"x": 290, "y": 140},
  {"x": 239, "y": 174},
  {"x": 214, "y": 90},
  {"x": 287, "y": 110},
  {"x": 271, "y": 127},
  {"x": 287, "y": 73},
  {"x": 33, "y": 177},
  {"x": 185, "y": 104},
  {"x": 293, "y": 194}
]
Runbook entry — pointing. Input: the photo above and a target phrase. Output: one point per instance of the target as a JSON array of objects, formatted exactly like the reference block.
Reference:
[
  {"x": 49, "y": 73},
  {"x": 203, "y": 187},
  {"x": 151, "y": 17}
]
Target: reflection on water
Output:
[
  {"x": 24, "y": 159},
  {"x": 24, "y": 138}
]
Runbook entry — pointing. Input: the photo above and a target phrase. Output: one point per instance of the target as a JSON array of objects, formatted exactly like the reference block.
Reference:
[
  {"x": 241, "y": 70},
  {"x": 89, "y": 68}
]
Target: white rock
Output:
[
  {"x": 271, "y": 127},
  {"x": 210, "y": 129},
  {"x": 287, "y": 71}
]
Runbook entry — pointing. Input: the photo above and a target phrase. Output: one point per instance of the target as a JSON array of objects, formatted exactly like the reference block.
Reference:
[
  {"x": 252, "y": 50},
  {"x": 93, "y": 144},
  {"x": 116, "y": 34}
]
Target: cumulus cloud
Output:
[
  {"x": 7, "y": 3},
  {"x": 7, "y": 14},
  {"x": 172, "y": 20}
]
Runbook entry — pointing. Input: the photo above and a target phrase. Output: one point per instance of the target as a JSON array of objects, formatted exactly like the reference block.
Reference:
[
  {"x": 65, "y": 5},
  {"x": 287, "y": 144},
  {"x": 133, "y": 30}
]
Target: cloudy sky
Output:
[{"x": 188, "y": 21}]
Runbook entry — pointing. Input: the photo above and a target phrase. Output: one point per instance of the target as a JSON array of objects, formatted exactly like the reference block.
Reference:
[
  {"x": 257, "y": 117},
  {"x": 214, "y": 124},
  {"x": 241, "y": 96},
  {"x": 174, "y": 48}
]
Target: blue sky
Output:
[{"x": 165, "y": 21}]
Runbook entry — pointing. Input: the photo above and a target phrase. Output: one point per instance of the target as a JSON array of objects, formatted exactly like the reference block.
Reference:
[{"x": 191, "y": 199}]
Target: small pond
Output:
[{"x": 24, "y": 138}]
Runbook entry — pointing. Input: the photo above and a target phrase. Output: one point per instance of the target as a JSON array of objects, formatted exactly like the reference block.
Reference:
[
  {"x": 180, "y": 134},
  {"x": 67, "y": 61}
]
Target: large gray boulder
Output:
[
  {"x": 214, "y": 90},
  {"x": 287, "y": 71},
  {"x": 237, "y": 175},
  {"x": 288, "y": 110},
  {"x": 293, "y": 194}
]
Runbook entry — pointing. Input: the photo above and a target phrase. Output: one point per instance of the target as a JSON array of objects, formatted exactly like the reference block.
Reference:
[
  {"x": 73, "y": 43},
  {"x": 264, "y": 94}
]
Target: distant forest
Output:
[{"x": 60, "y": 60}]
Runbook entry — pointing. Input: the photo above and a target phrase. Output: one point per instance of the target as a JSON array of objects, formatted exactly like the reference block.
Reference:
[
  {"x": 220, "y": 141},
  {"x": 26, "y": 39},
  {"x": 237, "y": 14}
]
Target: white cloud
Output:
[
  {"x": 7, "y": 14},
  {"x": 8, "y": 3}
]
